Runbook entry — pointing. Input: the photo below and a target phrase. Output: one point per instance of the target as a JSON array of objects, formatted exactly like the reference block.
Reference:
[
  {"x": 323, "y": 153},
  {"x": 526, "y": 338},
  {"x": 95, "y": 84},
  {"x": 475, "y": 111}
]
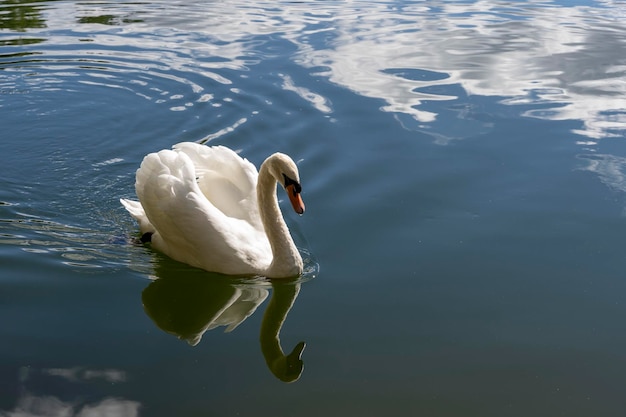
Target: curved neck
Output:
[
  {"x": 285, "y": 367},
  {"x": 286, "y": 260}
]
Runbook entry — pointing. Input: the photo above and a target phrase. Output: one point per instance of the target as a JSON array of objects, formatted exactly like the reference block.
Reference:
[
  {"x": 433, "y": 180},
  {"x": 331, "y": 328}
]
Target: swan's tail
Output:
[{"x": 136, "y": 210}]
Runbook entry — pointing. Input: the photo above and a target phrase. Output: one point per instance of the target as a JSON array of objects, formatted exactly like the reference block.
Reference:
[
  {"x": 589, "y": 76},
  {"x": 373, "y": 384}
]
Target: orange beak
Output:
[{"x": 296, "y": 200}]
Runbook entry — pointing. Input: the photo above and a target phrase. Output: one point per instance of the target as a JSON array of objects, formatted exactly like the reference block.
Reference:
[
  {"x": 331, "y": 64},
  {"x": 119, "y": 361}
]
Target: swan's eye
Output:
[{"x": 296, "y": 186}]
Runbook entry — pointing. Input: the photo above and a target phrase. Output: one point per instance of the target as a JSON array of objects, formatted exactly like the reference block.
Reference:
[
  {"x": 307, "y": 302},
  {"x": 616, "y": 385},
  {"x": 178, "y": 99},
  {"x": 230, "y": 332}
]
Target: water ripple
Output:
[
  {"x": 175, "y": 53},
  {"x": 159, "y": 75}
]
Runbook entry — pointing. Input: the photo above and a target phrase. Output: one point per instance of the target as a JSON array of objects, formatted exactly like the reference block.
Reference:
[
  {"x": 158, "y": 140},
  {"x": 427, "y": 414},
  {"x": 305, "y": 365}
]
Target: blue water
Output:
[{"x": 464, "y": 171}]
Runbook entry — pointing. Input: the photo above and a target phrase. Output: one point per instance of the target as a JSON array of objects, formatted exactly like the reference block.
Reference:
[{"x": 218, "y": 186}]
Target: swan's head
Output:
[{"x": 285, "y": 171}]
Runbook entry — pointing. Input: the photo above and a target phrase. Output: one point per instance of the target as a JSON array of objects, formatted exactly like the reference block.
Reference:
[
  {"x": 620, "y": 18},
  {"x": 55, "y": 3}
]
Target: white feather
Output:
[{"x": 200, "y": 204}]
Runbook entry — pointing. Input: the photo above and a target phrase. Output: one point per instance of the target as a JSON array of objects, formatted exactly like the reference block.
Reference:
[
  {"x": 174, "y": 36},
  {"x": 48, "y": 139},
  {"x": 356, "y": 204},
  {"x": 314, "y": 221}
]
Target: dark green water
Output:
[{"x": 463, "y": 166}]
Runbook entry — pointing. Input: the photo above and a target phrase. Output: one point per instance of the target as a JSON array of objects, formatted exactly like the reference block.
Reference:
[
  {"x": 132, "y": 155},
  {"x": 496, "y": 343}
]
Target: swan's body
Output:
[{"x": 209, "y": 208}]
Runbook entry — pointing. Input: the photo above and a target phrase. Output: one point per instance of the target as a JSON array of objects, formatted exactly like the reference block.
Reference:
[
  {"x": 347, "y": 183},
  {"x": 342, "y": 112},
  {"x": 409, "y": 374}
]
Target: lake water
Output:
[{"x": 463, "y": 166}]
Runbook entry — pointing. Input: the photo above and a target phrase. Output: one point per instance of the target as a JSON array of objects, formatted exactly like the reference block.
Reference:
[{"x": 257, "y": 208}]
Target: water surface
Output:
[{"x": 463, "y": 167}]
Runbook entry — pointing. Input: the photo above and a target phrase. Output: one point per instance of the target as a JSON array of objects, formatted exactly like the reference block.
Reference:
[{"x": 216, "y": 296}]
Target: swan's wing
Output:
[
  {"x": 227, "y": 180},
  {"x": 189, "y": 227},
  {"x": 137, "y": 212}
]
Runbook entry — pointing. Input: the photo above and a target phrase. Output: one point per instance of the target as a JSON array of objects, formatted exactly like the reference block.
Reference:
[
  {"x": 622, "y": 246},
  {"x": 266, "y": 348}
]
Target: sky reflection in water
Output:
[{"x": 408, "y": 55}]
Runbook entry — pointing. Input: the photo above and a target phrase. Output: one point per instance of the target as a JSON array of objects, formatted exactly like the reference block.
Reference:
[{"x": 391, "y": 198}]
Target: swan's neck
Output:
[{"x": 286, "y": 261}]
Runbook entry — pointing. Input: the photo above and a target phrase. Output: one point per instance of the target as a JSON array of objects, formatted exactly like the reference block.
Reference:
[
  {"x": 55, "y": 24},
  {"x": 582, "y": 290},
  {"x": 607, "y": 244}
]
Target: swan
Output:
[{"x": 209, "y": 208}]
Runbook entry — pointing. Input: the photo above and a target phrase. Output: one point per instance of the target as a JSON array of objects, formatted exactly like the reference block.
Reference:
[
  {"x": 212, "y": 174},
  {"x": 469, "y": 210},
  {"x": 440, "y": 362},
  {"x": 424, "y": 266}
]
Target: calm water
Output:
[{"x": 464, "y": 171}]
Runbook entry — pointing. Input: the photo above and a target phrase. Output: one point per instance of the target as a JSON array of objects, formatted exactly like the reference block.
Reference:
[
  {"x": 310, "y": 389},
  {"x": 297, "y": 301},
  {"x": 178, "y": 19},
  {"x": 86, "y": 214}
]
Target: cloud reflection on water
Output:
[
  {"x": 611, "y": 170},
  {"x": 569, "y": 60},
  {"x": 565, "y": 63},
  {"x": 29, "y": 404}
]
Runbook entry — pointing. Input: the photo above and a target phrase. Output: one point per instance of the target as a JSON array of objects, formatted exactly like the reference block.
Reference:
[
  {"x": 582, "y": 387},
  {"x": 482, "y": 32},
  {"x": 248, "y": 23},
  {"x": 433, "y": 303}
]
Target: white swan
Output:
[{"x": 209, "y": 208}]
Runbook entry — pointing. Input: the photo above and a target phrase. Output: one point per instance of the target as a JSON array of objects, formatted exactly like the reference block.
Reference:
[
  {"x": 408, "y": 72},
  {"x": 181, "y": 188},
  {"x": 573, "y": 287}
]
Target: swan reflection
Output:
[{"x": 188, "y": 304}]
